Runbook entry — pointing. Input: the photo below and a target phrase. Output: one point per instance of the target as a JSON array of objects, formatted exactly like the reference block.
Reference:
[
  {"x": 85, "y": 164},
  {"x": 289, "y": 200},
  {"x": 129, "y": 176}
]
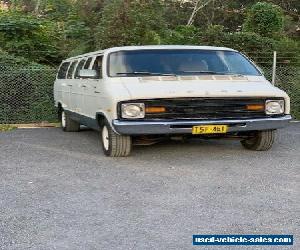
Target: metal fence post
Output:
[{"x": 274, "y": 67}]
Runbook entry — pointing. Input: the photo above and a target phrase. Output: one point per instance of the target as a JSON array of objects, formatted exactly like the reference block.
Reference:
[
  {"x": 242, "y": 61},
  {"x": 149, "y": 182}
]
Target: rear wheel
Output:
[
  {"x": 262, "y": 141},
  {"x": 67, "y": 124},
  {"x": 113, "y": 144}
]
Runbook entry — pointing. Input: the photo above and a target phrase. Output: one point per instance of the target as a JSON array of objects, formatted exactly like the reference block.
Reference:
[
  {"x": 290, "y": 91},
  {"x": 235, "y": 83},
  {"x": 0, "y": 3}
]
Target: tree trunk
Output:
[
  {"x": 37, "y": 7},
  {"x": 196, "y": 10},
  {"x": 191, "y": 20}
]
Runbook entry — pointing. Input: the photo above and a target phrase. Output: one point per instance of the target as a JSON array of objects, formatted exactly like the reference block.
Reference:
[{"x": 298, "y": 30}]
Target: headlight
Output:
[
  {"x": 274, "y": 107},
  {"x": 133, "y": 110}
]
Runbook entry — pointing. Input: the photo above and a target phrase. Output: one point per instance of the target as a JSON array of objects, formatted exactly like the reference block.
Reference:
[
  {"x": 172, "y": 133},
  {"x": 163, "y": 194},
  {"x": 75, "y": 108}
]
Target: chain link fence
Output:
[
  {"x": 26, "y": 93},
  {"x": 287, "y": 75}
]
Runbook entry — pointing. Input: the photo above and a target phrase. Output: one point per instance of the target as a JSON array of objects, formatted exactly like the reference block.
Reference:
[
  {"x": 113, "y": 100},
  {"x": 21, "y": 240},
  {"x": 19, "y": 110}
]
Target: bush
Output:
[
  {"x": 130, "y": 23},
  {"x": 189, "y": 35},
  {"x": 26, "y": 35},
  {"x": 241, "y": 41},
  {"x": 265, "y": 19}
]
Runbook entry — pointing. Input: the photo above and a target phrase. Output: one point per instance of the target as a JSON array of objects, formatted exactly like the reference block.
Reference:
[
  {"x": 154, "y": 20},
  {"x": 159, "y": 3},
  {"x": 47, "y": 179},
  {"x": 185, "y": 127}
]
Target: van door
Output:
[
  {"x": 84, "y": 84},
  {"x": 93, "y": 90},
  {"x": 70, "y": 86},
  {"x": 78, "y": 88}
]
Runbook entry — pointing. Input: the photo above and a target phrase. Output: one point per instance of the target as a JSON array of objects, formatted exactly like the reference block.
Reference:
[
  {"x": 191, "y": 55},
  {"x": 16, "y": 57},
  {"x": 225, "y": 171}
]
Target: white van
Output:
[{"x": 155, "y": 91}]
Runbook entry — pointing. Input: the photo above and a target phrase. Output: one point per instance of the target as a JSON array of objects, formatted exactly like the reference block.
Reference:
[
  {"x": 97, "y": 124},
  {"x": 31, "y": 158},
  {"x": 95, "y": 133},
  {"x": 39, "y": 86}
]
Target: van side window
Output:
[
  {"x": 78, "y": 68},
  {"x": 98, "y": 65},
  {"x": 88, "y": 62},
  {"x": 63, "y": 70},
  {"x": 71, "y": 70}
]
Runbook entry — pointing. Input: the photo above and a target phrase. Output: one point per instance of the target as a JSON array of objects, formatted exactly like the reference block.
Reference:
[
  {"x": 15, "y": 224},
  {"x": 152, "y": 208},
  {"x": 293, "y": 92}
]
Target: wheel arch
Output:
[
  {"x": 101, "y": 117},
  {"x": 59, "y": 107}
]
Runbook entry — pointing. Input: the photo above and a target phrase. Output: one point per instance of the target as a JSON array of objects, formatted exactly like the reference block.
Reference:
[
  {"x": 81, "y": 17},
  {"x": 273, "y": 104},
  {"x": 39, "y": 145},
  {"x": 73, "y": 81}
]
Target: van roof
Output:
[{"x": 149, "y": 47}]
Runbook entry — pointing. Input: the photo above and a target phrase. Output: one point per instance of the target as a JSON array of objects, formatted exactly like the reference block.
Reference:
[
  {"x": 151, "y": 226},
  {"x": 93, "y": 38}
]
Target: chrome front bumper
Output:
[{"x": 185, "y": 127}]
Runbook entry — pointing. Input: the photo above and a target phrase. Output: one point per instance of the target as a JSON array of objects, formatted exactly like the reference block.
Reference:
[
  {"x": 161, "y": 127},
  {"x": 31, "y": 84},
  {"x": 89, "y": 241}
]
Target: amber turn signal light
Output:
[
  {"x": 155, "y": 109},
  {"x": 255, "y": 107}
]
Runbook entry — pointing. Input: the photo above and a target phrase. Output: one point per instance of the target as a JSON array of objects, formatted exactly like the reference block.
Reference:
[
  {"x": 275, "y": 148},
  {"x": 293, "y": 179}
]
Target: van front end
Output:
[{"x": 202, "y": 116}]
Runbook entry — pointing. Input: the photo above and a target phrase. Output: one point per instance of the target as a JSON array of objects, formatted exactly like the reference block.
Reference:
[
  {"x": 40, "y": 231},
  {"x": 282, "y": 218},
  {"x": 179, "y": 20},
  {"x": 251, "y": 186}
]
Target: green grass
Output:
[{"x": 5, "y": 128}]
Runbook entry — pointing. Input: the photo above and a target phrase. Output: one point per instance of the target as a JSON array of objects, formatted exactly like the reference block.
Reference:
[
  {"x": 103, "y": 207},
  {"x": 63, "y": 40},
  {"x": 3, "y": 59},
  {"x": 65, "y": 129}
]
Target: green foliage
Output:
[
  {"x": 130, "y": 23},
  {"x": 242, "y": 41},
  {"x": 9, "y": 61},
  {"x": 176, "y": 13},
  {"x": 22, "y": 34},
  {"x": 265, "y": 19},
  {"x": 77, "y": 36},
  {"x": 188, "y": 35},
  {"x": 55, "y": 9},
  {"x": 215, "y": 36}
]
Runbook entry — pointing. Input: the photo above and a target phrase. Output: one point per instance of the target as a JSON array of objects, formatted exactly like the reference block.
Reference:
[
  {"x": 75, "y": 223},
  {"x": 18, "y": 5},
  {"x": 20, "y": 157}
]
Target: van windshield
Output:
[{"x": 179, "y": 62}]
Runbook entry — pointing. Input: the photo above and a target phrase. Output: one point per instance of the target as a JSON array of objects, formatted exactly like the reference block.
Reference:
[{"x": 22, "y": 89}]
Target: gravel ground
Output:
[{"x": 58, "y": 191}]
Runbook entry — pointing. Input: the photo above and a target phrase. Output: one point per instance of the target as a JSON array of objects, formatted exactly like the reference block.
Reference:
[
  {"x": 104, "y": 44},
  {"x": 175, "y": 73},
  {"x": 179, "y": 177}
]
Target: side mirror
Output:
[{"x": 88, "y": 73}]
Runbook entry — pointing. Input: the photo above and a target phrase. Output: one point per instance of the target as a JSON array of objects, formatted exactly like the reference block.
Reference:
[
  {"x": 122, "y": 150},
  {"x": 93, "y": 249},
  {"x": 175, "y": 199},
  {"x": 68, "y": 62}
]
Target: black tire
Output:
[
  {"x": 262, "y": 141},
  {"x": 67, "y": 124},
  {"x": 118, "y": 145}
]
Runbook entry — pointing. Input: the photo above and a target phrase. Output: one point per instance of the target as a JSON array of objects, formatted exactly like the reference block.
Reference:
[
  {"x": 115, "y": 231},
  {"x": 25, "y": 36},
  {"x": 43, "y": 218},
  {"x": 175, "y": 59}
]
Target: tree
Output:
[
  {"x": 199, "y": 5},
  {"x": 265, "y": 19},
  {"x": 25, "y": 35},
  {"x": 130, "y": 22}
]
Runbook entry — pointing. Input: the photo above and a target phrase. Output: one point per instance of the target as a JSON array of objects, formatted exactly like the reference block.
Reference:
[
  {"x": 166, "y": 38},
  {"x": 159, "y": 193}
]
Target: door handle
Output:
[
  {"x": 96, "y": 92},
  {"x": 83, "y": 86},
  {"x": 70, "y": 85}
]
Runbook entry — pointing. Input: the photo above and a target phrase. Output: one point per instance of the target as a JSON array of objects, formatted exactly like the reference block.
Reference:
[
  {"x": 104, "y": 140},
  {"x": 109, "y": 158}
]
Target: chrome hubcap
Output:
[
  {"x": 105, "y": 139},
  {"x": 63, "y": 119}
]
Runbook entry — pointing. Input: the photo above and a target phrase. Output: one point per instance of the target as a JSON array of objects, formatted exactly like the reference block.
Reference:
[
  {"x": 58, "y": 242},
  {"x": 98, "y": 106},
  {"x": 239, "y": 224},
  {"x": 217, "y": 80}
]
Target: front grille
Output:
[{"x": 204, "y": 108}]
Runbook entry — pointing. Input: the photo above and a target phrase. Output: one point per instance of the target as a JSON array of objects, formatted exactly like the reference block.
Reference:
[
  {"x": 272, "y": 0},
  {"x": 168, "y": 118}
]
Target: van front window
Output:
[{"x": 179, "y": 62}]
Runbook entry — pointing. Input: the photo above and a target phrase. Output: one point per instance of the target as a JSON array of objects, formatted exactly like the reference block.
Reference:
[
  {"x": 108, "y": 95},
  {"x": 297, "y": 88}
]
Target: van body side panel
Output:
[{"x": 93, "y": 94}]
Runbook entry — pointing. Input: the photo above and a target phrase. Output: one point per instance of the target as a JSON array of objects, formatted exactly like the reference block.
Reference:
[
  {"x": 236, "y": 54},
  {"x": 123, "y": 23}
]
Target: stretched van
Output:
[{"x": 127, "y": 93}]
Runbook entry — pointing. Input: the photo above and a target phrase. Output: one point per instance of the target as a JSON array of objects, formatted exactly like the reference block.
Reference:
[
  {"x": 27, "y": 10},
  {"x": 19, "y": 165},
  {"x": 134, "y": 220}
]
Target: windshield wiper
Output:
[
  {"x": 201, "y": 72},
  {"x": 145, "y": 73},
  {"x": 212, "y": 73}
]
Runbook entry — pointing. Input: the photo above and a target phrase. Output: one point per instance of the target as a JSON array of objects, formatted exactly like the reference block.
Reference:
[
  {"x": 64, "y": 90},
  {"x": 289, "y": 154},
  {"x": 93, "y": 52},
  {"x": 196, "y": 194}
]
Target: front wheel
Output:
[
  {"x": 113, "y": 144},
  {"x": 262, "y": 141}
]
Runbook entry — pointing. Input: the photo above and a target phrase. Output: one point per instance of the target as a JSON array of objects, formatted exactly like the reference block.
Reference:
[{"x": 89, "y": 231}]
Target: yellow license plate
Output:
[{"x": 209, "y": 129}]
